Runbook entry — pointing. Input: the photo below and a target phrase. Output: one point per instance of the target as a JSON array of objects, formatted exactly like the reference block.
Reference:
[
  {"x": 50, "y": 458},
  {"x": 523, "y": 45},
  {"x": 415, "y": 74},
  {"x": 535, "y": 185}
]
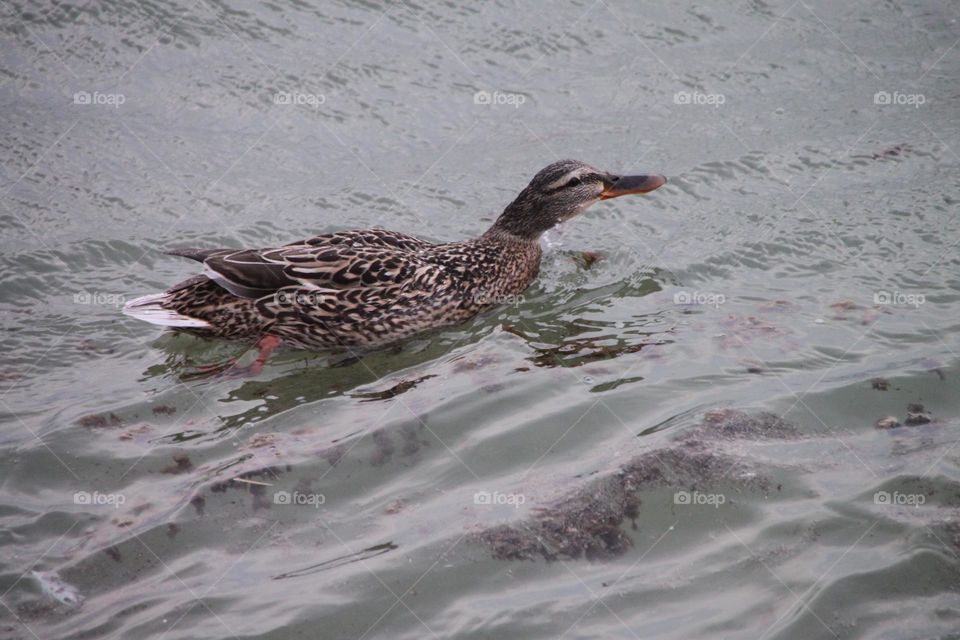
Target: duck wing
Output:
[
  {"x": 366, "y": 238},
  {"x": 343, "y": 260}
]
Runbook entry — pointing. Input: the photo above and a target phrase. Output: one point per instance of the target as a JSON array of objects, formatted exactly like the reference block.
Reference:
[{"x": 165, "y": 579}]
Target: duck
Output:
[{"x": 369, "y": 288}]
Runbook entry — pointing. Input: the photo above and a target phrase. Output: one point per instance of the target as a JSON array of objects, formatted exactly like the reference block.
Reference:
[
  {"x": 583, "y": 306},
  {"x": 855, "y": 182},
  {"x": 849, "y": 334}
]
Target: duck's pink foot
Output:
[{"x": 230, "y": 370}]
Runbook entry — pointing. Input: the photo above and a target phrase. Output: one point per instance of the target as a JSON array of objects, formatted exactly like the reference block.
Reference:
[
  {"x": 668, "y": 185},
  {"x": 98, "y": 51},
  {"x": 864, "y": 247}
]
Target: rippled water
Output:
[{"x": 800, "y": 267}]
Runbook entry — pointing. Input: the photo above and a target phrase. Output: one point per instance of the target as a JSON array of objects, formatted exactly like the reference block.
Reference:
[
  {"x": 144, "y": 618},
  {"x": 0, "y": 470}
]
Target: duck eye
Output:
[{"x": 574, "y": 182}]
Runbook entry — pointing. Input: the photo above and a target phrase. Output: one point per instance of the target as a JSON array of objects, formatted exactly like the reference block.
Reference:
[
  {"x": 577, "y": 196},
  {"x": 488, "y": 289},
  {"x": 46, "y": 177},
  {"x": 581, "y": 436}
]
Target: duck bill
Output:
[{"x": 628, "y": 185}]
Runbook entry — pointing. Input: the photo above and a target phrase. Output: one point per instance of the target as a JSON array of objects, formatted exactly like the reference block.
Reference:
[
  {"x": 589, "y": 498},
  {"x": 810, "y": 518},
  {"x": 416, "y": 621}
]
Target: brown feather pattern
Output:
[
  {"x": 372, "y": 287},
  {"x": 362, "y": 288}
]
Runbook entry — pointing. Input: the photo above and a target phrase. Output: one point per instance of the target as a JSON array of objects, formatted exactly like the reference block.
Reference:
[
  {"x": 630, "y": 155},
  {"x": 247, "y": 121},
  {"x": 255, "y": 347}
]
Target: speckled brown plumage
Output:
[
  {"x": 371, "y": 287},
  {"x": 348, "y": 289}
]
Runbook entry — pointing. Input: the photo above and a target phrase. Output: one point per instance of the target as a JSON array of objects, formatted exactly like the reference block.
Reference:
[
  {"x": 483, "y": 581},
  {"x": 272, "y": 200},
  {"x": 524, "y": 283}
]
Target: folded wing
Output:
[{"x": 370, "y": 258}]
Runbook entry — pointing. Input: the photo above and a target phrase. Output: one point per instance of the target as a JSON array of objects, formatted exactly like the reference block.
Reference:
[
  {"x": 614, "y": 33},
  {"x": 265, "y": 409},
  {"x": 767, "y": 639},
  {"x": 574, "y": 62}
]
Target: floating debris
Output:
[
  {"x": 198, "y": 502},
  {"x": 53, "y": 586},
  {"x": 358, "y": 556},
  {"x": 589, "y": 523},
  {"x": 401, "y": 387},
  {"x": 844, "y": 305},
  {"x": 100, "y": 421},
  {"x": 917, "y": 415},
  {"x": 246, "y": 479},
  {"x": 464, "y": 364},
  {"x": 181, "y": 464},
  {"x": 893, "y": 152},
  {"x": 753, "y": 366},
  {"x": 844, "y": 310},
  {"x": 265, "y": 440},
  {"x": 133, "y": 432},
  {"x": 586, "y": 259},
  {"x": 731, "y": 423},
  {"x": 164, "y": 410},
  {"x": 256, "y": 482},
  {"x": 890, "y": 422},
  {"x": 739, "y": 331}
]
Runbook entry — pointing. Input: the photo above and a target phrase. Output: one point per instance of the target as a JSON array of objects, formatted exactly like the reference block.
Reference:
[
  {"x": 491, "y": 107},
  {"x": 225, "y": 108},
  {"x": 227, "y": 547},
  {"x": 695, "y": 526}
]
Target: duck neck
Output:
[
  {"x": 512, "y": 260},
  {"x": 505, "y": 234},
  {"x": 523, "y": 218}
]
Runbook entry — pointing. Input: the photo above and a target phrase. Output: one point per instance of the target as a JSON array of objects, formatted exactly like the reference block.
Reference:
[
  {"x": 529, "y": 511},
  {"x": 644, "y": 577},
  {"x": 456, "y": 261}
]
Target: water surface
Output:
[{"x": 568, "y": 466}]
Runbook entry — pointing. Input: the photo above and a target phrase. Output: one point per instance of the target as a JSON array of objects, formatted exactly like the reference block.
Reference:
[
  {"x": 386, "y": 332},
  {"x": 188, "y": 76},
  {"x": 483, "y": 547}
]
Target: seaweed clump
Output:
[{"x": 589, "y": 523}]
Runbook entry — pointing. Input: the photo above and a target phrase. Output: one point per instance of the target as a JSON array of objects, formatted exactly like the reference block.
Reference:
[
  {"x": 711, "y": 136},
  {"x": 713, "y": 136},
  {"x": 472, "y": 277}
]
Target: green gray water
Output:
[{"x": 816, "y": 224}]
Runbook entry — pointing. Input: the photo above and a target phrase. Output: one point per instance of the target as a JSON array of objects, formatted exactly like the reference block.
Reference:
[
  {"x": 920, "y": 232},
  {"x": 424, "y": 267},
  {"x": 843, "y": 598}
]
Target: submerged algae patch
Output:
[{"x": 588, "y": 523}]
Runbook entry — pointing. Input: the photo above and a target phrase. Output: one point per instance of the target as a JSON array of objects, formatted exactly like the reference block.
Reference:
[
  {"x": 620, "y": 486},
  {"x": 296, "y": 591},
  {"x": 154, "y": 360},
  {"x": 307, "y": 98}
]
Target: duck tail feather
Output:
[{"x": 150, "y": 308}]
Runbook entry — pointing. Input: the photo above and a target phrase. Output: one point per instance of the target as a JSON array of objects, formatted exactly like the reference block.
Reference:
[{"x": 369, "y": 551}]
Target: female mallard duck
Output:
[{"x": 371, "y": 287}]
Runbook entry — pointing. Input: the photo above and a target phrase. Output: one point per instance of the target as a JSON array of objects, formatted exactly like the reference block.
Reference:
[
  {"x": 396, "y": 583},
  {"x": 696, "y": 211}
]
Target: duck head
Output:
[{"x": 563, "y": 190}]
